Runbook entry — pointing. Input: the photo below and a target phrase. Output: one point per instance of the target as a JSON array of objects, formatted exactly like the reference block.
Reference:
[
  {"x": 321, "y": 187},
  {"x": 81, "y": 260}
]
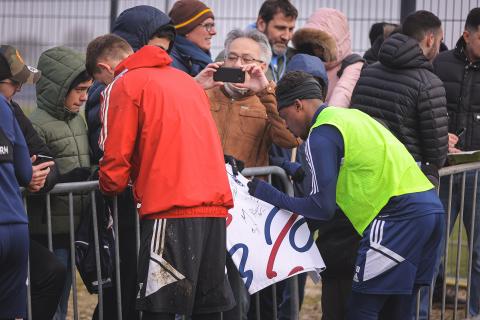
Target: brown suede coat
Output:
[{"x": 248, "y": 126}]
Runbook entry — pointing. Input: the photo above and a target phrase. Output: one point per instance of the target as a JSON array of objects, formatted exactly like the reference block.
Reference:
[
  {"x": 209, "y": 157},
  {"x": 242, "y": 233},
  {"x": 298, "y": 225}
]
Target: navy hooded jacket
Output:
[
  {"x": 136, "y": 25},
  {"x": 15, "y": 167}
]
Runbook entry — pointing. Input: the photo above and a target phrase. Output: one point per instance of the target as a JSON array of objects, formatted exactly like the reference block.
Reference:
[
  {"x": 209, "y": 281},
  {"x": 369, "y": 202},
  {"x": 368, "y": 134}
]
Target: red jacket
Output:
[{"x": 158, "y": 132}]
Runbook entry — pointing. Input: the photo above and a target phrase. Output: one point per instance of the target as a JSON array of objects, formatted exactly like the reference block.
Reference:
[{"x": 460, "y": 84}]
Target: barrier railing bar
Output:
[
  {"x": 97, "y": 254},
  {"x": 257, "y": 303},
  {"x": 470, "y": 253},
  {"x": 262, "y": 171},
  {"x": 29, "y": 293},
  {"x": 430, "y": 298},
  {"x": 295, "y": 303},
  {"x": 274, "y": 301},
  {"x": 460, "y": 168},
  {"x": 292, "y": 281},
  {"x": 49, "y": 222},
  {"x": 447, "y": 238},
  {"x": 417, "y": 308},
  {"x": 459, "y": 247},
  {"x": 72, "y": 255},
  {"x": 117, "y": 258}
]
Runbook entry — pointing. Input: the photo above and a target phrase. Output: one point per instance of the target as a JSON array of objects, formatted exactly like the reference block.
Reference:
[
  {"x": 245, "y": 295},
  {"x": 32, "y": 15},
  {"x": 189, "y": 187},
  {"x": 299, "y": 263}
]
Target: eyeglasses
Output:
[
  {"x": 246, "y": 59},
  {"x": 208, "y": 26}
]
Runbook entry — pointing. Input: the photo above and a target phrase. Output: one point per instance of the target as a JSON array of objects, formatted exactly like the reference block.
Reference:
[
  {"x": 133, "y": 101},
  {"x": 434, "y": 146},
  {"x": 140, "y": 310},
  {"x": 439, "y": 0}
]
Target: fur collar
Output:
[{"x": 318, "y": 43}]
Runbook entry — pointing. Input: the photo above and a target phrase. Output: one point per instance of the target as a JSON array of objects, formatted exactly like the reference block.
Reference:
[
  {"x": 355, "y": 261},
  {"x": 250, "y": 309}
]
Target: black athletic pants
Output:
[{"x": 47, "y": 280}]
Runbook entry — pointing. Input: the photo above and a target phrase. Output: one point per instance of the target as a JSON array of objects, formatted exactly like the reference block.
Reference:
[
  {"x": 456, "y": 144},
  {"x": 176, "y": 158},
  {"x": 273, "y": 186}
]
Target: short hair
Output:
[
  {"x": 271, "y": 7},
  {"x": 255, "y": 35},
  {"x": 473, "y": 20},
  {"x": 82, "y": 77},
  {"x": 292, "y": 80},
  {"x": 376, "y": 31},
  {"x": 418, "y": 24},
  {"x": 383, "y": 29},
  {"x": 166, "y": 32},
  {"x": 107, "y": 46}
]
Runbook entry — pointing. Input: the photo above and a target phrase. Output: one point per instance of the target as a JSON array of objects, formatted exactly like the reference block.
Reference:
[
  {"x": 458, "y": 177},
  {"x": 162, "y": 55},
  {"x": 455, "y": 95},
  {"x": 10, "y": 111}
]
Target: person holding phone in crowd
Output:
[
  {"x": 145, "y": 113},
  {"x": 61, "y": 92},
  {"x": 246, "y": 116},
  {"x": 47, "y": 274}
]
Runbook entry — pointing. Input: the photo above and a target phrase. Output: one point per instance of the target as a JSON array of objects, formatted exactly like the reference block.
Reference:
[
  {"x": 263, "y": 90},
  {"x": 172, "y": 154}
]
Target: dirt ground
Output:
[{"x": 311, "y": 309}]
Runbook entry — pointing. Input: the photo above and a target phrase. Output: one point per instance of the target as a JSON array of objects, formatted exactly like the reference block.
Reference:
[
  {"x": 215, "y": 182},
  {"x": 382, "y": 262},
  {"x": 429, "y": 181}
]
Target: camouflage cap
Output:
[{"x": 13, "y": 67}]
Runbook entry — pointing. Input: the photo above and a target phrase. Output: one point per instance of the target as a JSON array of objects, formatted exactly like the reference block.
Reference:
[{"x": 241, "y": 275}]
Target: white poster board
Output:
[{"x": 267, "y": 244}]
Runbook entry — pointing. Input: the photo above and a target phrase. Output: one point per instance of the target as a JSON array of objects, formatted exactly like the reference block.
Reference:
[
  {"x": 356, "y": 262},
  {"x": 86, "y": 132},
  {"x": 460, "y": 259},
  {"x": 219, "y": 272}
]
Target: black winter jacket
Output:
[
  {"x": 462, "y": 84},
  {"x": 35, "y": 144},
  {"x": 403, "y": 93},
  {"x": 371, "y": 55}
]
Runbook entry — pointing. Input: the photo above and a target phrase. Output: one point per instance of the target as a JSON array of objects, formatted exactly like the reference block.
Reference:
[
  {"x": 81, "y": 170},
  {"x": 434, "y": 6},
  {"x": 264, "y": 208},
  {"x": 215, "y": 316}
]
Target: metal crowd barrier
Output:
[
  {"x": 454, "y": 180},
  {"x": 82, "y": 187},
  {"x": 455, "y": 173},
  {"x": 452, "y": 173}
]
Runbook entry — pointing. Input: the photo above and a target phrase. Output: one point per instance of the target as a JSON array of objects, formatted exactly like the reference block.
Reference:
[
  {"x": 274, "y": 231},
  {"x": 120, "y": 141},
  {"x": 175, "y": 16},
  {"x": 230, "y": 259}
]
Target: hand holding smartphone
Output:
[
  {"x": 225, "y": 74},
  {"x": 41, "y": 159}
]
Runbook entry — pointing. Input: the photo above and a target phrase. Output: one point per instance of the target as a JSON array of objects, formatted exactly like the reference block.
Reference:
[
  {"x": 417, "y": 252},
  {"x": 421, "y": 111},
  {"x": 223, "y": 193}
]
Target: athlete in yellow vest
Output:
[{"x": 359, "y": 166}]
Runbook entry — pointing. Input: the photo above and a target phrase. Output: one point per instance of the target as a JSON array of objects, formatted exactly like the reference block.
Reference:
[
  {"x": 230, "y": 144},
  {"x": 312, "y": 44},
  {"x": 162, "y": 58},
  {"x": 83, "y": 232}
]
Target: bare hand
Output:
[
  {"x": 39, "y": 175},
  {"x": 256, "y": 80},
  {"x": 452, "y": 142},
  {"x": 205, "y": 77}
]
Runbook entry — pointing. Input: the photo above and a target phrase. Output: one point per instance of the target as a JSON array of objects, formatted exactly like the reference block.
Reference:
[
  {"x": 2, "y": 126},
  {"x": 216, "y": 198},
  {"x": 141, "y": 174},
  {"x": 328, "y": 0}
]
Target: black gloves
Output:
[
  {"x": 252, "y": 186},
  {"x": 237, "y": 165},
  {"x": 294, "y": 170},
  {"x": 298, "y": 175},
  {"x": 75, "y": 175},
  {"x": 431, "y": 171}
]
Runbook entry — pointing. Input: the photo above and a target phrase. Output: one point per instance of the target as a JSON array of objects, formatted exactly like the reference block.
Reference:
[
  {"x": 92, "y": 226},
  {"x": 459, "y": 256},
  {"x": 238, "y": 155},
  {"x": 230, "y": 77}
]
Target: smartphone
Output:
[
  {"x": 42, "y": 158},
  {"x": 460, "y": 132},
  {"x": 225, "y": 74}
]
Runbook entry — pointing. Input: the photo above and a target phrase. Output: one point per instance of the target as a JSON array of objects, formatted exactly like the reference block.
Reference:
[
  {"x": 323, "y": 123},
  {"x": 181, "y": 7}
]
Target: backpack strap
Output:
[{"x": 349, "y": 60}]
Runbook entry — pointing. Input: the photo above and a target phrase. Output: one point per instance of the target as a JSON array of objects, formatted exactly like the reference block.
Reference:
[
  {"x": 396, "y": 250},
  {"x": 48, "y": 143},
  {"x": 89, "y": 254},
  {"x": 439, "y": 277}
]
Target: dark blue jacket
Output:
[
  {"x": 280, "y": 156},
  {"x": 136, "y": 25},
  {"x": 15, "y": 167},
  {"x": 188, "y": 57},
  {"x": 311, "y": 65}
]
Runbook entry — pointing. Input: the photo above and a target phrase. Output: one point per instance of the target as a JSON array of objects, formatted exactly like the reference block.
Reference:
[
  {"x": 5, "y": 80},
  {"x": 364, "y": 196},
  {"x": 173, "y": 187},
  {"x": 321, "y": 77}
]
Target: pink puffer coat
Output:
[{"x": 327, "y": 35}]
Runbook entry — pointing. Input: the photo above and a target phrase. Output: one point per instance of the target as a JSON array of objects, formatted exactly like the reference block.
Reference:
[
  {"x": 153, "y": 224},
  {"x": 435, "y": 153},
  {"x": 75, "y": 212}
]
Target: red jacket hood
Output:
[{"x": 147, "y": 57}]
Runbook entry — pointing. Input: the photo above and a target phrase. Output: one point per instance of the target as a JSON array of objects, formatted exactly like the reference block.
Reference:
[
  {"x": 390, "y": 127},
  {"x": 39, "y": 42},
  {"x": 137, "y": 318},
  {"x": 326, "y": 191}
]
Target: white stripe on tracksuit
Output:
[
  {"x": 379, "y": 258},
  {"x": 104, "y": 105},
  {"x": 308, "y": 155},
  {"x": 160, "y": 271}
]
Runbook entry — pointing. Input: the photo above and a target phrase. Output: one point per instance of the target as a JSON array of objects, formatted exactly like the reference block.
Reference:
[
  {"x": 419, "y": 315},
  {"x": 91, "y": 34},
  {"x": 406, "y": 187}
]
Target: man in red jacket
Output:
[{"x": 159, "y": 134}]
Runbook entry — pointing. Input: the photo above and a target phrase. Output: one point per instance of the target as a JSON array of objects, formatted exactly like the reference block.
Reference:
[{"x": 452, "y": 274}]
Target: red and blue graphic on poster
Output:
[{"x": 268, "y": 244}]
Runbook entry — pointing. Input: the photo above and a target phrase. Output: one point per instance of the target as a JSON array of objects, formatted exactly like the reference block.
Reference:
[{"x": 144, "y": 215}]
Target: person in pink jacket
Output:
[{"x": 327, "y": 36}]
